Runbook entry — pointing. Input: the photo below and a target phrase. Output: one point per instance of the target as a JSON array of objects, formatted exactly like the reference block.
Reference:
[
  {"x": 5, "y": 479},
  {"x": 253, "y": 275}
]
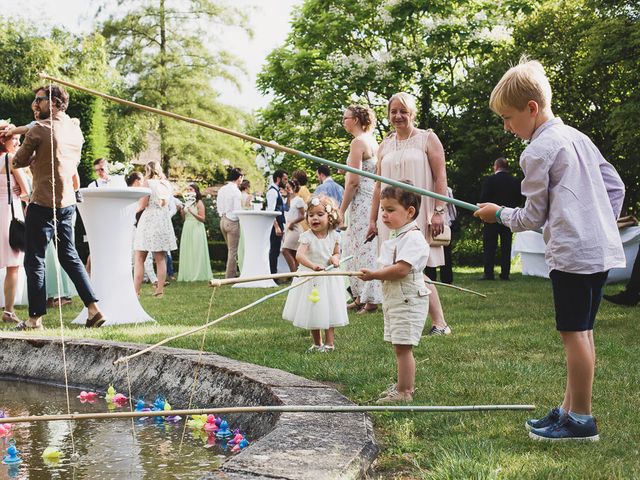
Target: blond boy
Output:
[{"x": 576, "y": 195}]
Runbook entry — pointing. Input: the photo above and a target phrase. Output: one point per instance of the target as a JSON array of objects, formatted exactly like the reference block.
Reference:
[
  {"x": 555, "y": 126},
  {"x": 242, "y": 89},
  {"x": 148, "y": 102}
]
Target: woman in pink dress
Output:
[
  {"x": 410, "y": 153},
  {"x": 9, "y": 258}
]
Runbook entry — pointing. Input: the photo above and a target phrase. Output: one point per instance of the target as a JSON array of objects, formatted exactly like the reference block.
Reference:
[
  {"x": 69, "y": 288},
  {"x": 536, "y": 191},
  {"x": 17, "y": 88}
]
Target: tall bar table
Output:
[
  {"x": 256, "y": 230},
  {"x": 108, "y": 215}
]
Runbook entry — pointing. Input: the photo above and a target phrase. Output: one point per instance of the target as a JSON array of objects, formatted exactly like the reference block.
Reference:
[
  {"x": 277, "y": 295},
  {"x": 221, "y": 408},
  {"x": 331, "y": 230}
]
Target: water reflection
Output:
[{"x": 107, "y": 449}]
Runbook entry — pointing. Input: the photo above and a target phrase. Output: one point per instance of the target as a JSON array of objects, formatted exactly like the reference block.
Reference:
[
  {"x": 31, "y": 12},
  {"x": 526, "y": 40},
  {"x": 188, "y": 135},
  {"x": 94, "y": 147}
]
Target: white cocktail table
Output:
[
  {"x": 108, "y": 215},
  {"x": 256, "y": 230}
]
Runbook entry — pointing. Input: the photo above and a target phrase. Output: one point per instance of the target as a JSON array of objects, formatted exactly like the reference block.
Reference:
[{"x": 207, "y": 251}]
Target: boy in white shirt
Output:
[
  {"x": 405, "y": 296},
  {"x": 577, "y": 196}
]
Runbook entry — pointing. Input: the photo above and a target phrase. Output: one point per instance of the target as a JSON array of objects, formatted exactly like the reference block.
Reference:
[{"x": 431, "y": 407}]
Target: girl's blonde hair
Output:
[
  {"x": 330, "y": 208},
  {"x": 407, "y": 100},
  {"x": 153, "y": 170},
  {"x": 365, "y": 115},
  {"x": 521, "y": 84}
]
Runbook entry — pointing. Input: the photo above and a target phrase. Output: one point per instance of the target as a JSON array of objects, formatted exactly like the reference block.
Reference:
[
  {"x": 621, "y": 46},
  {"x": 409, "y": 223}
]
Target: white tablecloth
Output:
[{"x": 530, "y": 246}]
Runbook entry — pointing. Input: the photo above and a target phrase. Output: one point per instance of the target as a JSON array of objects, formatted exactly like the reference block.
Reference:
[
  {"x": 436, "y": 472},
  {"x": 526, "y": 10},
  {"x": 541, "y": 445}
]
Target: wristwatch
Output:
[{"x": 439, "y": 210}]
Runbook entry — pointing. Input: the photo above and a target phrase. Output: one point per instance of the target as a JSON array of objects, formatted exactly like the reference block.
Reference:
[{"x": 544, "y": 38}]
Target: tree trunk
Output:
[{"x": 164, "y": 156}]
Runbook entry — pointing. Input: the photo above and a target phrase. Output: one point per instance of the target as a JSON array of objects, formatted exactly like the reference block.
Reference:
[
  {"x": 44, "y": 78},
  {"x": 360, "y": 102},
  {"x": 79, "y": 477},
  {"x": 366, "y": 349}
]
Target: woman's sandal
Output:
[
  {"x": 25, "y": 325},
  {"x": 364, "y": 309},
  {"x": 10, "y": 317},
  {"x": 57, "y": 302},
  {"x": 355, "y": 306}
]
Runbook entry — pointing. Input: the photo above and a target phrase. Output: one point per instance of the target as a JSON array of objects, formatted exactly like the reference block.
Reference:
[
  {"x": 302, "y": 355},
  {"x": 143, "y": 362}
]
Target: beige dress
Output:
[{"x": 407, "y": 160}]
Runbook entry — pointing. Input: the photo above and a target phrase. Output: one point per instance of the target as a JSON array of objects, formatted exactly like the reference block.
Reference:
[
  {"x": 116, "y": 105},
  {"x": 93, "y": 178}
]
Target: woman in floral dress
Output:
[{"x": 359, "y": 121}]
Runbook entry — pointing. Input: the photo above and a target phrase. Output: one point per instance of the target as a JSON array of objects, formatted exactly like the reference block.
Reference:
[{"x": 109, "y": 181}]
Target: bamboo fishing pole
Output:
[
  {"x": 275, "y": 146},
  {"x": 228, "y": 315},
  {"x": 266, "y": 409},
  {"x": 455, "y": 287},
  {"x": 218, "y": 282}
]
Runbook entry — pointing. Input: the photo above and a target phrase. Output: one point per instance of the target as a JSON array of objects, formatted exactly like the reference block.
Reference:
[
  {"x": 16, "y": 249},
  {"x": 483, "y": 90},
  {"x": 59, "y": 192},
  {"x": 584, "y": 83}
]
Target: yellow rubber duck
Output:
[
  {"x": 52, "y": 454},
  {"x": 314, "y": 296},
  {"x": 111, "y": 392}
]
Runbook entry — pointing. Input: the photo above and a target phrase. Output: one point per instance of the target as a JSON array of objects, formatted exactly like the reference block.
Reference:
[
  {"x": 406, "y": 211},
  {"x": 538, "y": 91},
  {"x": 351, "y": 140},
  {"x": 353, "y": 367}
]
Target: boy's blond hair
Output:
[{"x": 521, "y": 84}]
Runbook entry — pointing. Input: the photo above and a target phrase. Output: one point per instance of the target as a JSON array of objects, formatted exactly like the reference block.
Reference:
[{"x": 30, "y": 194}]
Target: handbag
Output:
[
  {"x": 17, "y": 230},
  {"x": 442, "y": 240}
]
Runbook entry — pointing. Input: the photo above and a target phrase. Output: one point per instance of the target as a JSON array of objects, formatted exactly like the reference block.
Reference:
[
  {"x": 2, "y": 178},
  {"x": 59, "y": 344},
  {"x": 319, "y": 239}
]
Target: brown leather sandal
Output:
[{"x": 10, "y": 317}]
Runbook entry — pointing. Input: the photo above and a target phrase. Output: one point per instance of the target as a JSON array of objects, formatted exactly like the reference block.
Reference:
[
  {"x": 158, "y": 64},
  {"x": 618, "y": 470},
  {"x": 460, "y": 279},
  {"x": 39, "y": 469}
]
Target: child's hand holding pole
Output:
[{"x": 487, "y": 212}]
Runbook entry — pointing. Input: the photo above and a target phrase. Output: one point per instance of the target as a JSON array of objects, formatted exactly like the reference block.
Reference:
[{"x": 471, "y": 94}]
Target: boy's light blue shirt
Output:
[{"x": 576, "y": 195}]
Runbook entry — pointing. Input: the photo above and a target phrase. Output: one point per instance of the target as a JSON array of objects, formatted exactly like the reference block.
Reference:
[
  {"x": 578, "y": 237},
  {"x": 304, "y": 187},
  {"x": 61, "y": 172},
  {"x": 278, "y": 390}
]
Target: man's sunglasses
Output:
[{"x": 40, "y": 99}]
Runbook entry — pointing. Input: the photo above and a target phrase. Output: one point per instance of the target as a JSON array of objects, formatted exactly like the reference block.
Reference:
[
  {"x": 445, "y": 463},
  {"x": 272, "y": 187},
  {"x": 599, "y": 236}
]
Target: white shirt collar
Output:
[{"x": 409, "y": 226}]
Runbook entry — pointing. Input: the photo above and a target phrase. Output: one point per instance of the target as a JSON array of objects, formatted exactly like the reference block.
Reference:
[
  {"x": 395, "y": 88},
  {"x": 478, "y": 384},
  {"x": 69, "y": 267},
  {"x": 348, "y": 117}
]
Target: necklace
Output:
[{"x": 398, "y": 162}]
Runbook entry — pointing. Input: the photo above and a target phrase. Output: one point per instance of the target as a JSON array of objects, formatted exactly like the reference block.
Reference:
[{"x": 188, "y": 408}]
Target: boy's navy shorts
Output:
[{"x": 576, "y": 297}]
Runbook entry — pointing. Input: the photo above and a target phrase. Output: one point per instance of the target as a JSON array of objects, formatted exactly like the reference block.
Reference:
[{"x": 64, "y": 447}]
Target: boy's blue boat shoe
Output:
[
  {"x": 567, "y": 429},
  {"x": 549, "y": 419}
]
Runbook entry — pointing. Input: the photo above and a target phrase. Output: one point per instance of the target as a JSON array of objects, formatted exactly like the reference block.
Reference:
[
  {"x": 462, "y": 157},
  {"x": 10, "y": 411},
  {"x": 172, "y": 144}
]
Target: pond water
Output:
[{"x": 108, "y": 449}]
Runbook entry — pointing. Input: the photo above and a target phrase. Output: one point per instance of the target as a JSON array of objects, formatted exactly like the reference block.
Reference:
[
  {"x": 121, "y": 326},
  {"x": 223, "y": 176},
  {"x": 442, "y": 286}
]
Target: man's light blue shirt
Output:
[{"x": 330, "y": 189}]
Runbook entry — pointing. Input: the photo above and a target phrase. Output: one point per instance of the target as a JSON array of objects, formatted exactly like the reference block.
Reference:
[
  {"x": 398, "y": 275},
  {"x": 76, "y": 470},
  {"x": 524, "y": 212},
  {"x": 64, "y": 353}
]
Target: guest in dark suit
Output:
[
  {"x": 501, "y": 188},
  {"x": 630, "y": 296}
]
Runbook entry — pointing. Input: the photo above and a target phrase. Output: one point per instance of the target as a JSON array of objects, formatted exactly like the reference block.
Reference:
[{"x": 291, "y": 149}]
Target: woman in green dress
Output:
[{"x": 194, "y": 250}]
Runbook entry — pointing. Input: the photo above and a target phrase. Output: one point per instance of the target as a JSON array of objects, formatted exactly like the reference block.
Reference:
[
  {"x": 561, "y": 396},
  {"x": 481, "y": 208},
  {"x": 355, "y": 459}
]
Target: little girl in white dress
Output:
[{"x": 319, "y": 304}]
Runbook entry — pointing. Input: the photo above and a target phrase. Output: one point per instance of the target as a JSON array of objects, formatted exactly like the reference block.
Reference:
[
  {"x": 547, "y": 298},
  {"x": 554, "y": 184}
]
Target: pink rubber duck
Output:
[
  {"x": 5, "y": 429},
  {"x": 210, "y": 425},
  {"x": 236, "y": 439},
  {"x": 87, "y": 396}
]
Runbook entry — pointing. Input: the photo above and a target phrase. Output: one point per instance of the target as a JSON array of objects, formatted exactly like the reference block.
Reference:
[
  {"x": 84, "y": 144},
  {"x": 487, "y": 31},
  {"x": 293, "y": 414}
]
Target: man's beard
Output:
[{"x": 43, "y": 115}]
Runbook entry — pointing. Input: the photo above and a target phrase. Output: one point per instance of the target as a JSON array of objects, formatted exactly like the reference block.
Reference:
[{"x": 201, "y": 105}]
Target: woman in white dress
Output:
[
  {"x": 154, "y": 232},
  {"x": 414, "y": 154},
  {"x": 359, "y": 121},
  {"x": 9, "y": 258}
]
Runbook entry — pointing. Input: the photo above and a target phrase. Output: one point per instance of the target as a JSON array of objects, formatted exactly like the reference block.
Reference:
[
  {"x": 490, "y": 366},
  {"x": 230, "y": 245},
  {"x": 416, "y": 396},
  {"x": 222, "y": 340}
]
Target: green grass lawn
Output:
[{"x": 504, "y": 349}]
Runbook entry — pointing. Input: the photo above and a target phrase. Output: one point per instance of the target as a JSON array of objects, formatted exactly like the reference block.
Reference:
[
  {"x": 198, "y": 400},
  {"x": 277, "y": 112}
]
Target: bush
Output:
[{"x": 467, "y": 243}]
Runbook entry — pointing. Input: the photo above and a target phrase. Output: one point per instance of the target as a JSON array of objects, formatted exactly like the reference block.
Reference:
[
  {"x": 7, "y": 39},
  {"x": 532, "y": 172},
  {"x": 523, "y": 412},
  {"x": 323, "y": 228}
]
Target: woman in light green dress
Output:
[
  {"x": 194, "y": 251},
  {"x": 51, "y": 269}
]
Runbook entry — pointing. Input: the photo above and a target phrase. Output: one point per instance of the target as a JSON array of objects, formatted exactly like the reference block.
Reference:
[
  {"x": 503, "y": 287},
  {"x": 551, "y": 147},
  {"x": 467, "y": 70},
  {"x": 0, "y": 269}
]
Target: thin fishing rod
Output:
[
  {"x": 267, "y": 409},
  {"x": 455, "y": 287},
  {"x": 224, "y": 317},
  {"x": 275, "y": 146},
  {"x": 218, "y": 282}
]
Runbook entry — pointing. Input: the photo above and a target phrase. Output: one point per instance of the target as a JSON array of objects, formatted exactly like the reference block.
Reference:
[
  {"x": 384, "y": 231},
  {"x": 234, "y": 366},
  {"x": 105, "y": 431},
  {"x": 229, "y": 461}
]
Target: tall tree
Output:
[
  {"x": 591, "y": 52},
  {"x": 163, "y": 49},
  {"x": 341, "y": 52}
]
